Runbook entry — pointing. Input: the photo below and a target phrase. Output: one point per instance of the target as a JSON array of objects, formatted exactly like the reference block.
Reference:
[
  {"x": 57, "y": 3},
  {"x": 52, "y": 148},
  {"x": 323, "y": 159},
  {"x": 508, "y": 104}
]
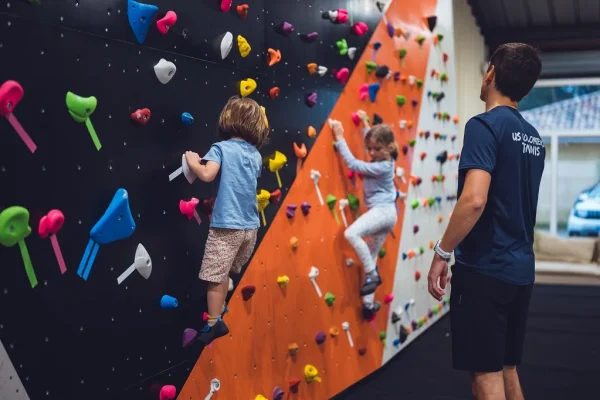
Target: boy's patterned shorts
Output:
[{"x": 227, "y": 250}]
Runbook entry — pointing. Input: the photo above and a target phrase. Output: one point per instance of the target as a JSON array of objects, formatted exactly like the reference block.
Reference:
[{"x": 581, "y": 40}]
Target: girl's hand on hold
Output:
[
  {"x": 192, "y": 158},
  {"x": 362, "y": 115},
  {"x": 338, "y": 129}
]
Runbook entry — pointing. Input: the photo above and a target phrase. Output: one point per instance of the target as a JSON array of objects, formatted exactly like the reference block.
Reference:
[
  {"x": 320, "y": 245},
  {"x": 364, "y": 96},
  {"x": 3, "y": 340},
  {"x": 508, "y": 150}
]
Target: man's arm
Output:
[{"x": 468, "y": 209}]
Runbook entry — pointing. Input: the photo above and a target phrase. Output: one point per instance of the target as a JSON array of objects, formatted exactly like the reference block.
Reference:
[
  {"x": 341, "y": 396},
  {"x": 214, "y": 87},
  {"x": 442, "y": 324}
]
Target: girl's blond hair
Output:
[
  {"x": 242, "y": 117},
  {"x": 384, "y": 135}
]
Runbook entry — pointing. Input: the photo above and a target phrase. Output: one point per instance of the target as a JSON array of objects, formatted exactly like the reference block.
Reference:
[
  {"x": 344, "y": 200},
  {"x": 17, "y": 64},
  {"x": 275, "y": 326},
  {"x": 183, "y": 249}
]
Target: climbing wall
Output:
[
  {"x": 79, "y": 333},
  {"x": 303, "y": 333}
]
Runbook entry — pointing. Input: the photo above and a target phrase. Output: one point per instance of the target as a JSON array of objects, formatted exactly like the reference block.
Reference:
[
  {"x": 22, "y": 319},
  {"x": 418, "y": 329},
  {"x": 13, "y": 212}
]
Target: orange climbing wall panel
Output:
[{"x": 253, "y": 358}]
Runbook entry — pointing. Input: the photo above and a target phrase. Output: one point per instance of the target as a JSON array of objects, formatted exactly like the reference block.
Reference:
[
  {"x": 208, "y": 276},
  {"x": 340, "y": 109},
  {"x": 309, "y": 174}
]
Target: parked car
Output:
[{"x": 584, "y": 219}]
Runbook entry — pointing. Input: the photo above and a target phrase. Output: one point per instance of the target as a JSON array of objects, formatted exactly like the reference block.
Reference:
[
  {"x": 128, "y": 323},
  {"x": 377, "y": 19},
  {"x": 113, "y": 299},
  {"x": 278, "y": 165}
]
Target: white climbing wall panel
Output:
[
  {"x": 406, "y": 287},
  {"x": 11, "y": 387}
]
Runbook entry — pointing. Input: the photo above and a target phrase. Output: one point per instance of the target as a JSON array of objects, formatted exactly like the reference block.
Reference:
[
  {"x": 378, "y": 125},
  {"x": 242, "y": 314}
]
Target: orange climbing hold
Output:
[
  {"x": 294, "y": 243},
  {"x": 274, "y": 92},
  {"x": 312, "y": 132},
  {"x": 312, "y": 68},
  {"x": 273, "y": 57},
  {"x": 242, "y": 10}
]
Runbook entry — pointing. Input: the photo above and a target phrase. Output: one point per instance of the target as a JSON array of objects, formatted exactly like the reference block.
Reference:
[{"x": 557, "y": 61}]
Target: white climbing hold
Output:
[
  {"x": 165, "y": 71},
  {"x": 226, "y": 45},
  {"x": 351, "y": 52}
]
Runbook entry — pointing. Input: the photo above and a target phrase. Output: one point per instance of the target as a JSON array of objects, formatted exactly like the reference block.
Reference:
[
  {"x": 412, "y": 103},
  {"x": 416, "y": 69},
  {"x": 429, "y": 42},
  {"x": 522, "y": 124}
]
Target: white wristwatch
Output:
[{"x": 444, "y": 254}]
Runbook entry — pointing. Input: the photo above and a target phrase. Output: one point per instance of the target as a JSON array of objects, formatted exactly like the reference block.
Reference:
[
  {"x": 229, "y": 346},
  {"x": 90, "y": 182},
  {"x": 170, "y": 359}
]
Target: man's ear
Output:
[{"x": 490, "y": 75}]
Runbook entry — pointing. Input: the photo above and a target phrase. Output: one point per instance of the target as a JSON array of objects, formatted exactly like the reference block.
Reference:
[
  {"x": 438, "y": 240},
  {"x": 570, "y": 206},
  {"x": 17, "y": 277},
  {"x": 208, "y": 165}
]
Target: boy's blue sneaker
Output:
[
  {"x": 210, "y": 333},
  {"x": 372, "y": 280}
]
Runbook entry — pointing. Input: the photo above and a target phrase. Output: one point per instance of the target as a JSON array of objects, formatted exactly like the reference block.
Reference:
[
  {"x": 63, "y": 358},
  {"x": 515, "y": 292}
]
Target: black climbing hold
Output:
[
  {"x": 377, "y": 119},
  {"x": 431, "y": 22},
  {"x": 403, "y": 334},
  {"x": 382, "y": 71}
]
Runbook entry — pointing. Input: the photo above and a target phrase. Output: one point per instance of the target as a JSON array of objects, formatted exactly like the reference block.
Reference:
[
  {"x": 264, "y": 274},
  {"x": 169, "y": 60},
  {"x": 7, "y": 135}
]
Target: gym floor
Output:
[{"x": 562, "y": 347}]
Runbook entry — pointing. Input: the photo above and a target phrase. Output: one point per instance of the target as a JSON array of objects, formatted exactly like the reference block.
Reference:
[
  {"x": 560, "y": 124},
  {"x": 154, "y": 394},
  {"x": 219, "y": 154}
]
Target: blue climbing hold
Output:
[
  {"x": 404, "y": 256},
  {"x": 168, "y": 302},
  {"x": 376, "y": 46},
  {"x": 140, "y": 17},
  {"x": 438, "y": 199},
  {"x": 187, "y": 119},
  {"x": 373, "y": 89},
  {"x": 429, "y": 93},
  {"x": 117, "y": 222},
  {"x": 396, "y": 343}
]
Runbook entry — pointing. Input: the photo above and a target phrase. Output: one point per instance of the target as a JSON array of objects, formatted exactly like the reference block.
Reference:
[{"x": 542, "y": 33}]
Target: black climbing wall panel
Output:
[{"x": 75, "y": 339}]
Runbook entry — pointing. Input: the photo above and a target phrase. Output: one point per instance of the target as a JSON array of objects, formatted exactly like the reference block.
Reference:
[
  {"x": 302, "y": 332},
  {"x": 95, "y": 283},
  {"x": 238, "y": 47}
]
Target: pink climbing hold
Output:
[
  {"x": 188, "y": 209},
  {"x": 189, "y": 335},
  {"x": 355, "y": 118},
  {"x": 287, "y": 28},
  {"x": 168, "y": 392},
  {"x": 166, "y": 22},
  {"x": 360, "y": 28},
  {"x": 342, "y": 17},
  {"x": 363, "y": 91},
  {"x": 226, "y": 5},
  {"x": 311, "y": 99},
  {"x": 342, "y": 75},
  {"x": 388, "y": 298}
]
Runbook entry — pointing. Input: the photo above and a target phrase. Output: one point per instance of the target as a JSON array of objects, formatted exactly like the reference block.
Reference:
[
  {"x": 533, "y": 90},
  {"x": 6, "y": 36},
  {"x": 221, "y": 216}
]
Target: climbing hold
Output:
[
  {"x": 400, "y": 100},
  {"x": 226, "y": 5},
  {"x": 412, "y": 142},
  {"x": 140, "y": 17},
  {"x": 165, "y": 70},
  {"x": 346, "y": 328},
  {"x": 444, "y": 77},
  {"x": 293, "y": 384},
  {"x": 11, "y": 93},
  {"x": 353, "y": 201},
  {"x": 247, "y": 86},
  {"x": 404, "y": 149},
  {"x": 382, "y": 71},
  {"x": 141, "y": 116},
  {"x": 14, "y": 228},
  {"x": 278, "y": 393},
  {"x": 311, "y": 37},
  {"x": 377, "y": 119},
  {"x": 351, "y": 52},
  {"x": 168, "y": 302},
  {"x": 339, "y": 16},
  {"x": 80, "y": 109},
  {"x": 415, "y": 229},
  {"x": 321, "y": 70},
  {"x": 293, "y": 349},
  {"x": 243, "y": 46},
  {"x": 355, "y": 118},
  {"x": 415, "y": 204},
  {"x": 349, "y": 262},
  {"x": 300, "y": 151},
  {"x": 442, "y": 157},
  {"x": 402, "y": 53},
  {"x": 305, "y": 208},
  {"x": 419, "y": 83},
  {"x": 274, "y": 92},
  {"x": 262, "y": 201},
  {"x": 312, "y": 68},
  {"x": 311, "y": 132},
  {"x": 388, "y": 298},
  {"x": 275, "y": 162},
  {"x": 362, "y": 351},
  {"x": 402, "y": 124},
  {"x": 331, "y": 200},
  {"x": 142, "y": 264},
  {"x": 422, "y": 156},
  {"x": 291, "y": 210},
  {"x": 248, "y": 292},
  {"x": 455, "y": 119},
  {"x": 334, "y": 331},
  {"x": 242, "y": 10},
  {"x": 275, "y": 196},
  {"x": 420, "y": 39},
  {"x": 287, "y": 28},
  {"x": 342, "y": 47},
  {"x": 320, "y": 338},
  {"x": 329, "y": 298},
  {"x": 445, "y": 58},
  {"x": 363, "y": 91},
  {"x": 260, "y": 397},
  {"x": 186, "y": 119},
  {"x": 414, "y": 102},
  {"x": 283, "y": 280},
  {"x": 417, "y": 275},
  {"x": 373, "y": 89},
  {"x": 382, "y": 252},
  {"x": 166, "y": 22},
  {"x": 342, "y": 75},
  {"x": 49, "y": 226},
  {"x": 189, "y": 335},
  {"x": 371, "y": 66},
  {"x": 226, "y": 45},
  {"x": 382, "y": 335},
  {"x": 360, "y": 28},
  {"x": 230, "y": 288},
  {"x": 294, "y": 243},
  {"x": 431, "y": 22},
  {"x": 167, "y": 392},
  {"x": 403, "y": 334},
  {"x": 311, "y": 99},
  {"x": 273, "y": 57},
  {"x": 396, "y": 76},
  {"x": 412, "y": 80},
  {"x": 311, "y": 373}
]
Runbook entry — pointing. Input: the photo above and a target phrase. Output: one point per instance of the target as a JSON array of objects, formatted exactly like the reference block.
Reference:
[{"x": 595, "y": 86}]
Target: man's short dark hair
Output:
[{"x": 518, "y": 67}]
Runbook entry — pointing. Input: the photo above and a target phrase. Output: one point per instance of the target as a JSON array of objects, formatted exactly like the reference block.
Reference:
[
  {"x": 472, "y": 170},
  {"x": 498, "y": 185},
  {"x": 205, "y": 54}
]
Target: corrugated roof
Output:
[{"x": 577, "y": 114}]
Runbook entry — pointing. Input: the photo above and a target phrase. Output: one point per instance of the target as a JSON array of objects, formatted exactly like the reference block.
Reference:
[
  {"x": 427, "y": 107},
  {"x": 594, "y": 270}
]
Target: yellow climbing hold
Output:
[
  {"x": 260, "y": 397},
  {"x": 247, "y": 86},
  {"x": 243, "y": 46},
  {"x": 265, "y": 115},
  {"x": 262, "y": 199},
  {"x": 311, "y": 373},
  {"x": 276, "y": 163}
]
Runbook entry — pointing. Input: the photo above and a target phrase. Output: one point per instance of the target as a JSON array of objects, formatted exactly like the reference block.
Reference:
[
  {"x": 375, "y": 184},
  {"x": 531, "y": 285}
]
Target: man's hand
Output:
[
  {"x": 438, "y": 277},
  {"x": 338, "y": 129},
  {"x": 192, "y": 158}
]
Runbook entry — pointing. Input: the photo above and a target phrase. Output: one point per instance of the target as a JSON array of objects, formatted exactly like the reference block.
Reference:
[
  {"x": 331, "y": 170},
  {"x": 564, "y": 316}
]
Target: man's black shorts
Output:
[{"x": 488, "y": 318}]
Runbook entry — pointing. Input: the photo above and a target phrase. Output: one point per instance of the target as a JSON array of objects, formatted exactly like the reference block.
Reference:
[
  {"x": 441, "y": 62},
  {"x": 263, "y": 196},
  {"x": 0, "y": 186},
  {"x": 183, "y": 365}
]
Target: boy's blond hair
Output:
[
  {"x": 384, "y": 135},
  {"x": 242, "y": 117}
]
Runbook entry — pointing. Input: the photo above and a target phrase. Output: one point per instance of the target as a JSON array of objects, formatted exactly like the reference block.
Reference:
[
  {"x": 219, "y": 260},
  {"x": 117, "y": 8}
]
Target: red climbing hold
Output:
[
  {"x": 362, "y": 351},
  {"x": 355, "y": 118},
  {"x": 274, "y": 92},
  {"x": 360, "y": 28},
  {"x": 166, "y": 22},
  {"x": 294, "y": 383},
  {"x": 141, "y": 116},
  {"x": 342, "y": 75},
  {"x": 248, "y": 292},
  {"x": 242, "y": 10},
  {"x": 226, "y": 5},
  {"x": 417, "y": 275},
  {"x": 275, "y": 197}
]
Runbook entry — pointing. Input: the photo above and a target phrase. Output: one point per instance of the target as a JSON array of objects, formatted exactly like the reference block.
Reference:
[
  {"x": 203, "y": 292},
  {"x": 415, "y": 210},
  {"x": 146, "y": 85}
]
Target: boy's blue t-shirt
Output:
[
  {"x": 235, "y": 203},
  {"x": 500, "y": 244}
]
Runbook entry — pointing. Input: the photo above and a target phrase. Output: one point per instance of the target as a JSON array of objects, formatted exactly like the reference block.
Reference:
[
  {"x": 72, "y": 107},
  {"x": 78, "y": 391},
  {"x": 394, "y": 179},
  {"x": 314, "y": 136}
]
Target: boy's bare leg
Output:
[{"x": 512, "y": 386}]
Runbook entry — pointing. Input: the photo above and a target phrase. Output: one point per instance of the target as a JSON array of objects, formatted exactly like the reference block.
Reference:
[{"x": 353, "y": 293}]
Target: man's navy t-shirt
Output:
[{"x": 500, "y": 245}]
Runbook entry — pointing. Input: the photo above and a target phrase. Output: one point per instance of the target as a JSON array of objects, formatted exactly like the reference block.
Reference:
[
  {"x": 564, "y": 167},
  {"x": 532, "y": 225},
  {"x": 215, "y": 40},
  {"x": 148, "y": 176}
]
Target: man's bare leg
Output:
[
  {"x": 512, "y": 386},
  {"x": 488, "y": 386}
]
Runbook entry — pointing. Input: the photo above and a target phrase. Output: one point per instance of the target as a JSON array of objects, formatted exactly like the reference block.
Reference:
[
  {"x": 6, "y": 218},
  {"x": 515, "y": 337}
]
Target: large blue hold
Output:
[
  {"x": 187, "y": 119},
  {"x": 373, "y": 89},
  {"x": 140, "y": 17},
  {"x": 117, "y": 222}
]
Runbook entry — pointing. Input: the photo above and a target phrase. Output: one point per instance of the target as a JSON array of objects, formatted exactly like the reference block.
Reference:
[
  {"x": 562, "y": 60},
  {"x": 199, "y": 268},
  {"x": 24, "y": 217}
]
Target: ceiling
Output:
[{"x": 551, "y": 25}]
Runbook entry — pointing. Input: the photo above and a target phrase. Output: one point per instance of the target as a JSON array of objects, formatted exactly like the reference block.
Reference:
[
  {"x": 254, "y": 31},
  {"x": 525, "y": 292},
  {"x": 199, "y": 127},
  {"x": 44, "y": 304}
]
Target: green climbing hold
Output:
[
  {"x": 431, "y": 200},
  {"x": 331, "y": 200},
  {"x": 434, "y": 95},
  {"x": 400, "y": 100},
  {"x": 14, "y": 225},
  {"x": 440, "y": 37},
  {"x": 419, "y": 83},
  {"x": 445, "y": 115},
  {"x": 414, "y": 204},
  {"x": 402, "y": 53},
  {"x": 444, "y": 77},
  {"x": 412, "y": 142},
  {"x": 353, "y": 202},
  {"x": 420, "y": 39},
  {"x": 371, "y": 66},
  {"x": 342, "y": 46},
  {"x": 382, "y": 252},
  {"x": 421, "y": 249},
  {"x": 329, "y": 298},
  {"x": 79, "y": 107},
  {"x": 382, "y": 335},
  {"x": 420, "y": 323}
]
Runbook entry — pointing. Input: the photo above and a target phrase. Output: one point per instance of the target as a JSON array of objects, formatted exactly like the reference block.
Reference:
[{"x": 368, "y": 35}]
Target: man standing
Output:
[{"x": 491, "y": 229}]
